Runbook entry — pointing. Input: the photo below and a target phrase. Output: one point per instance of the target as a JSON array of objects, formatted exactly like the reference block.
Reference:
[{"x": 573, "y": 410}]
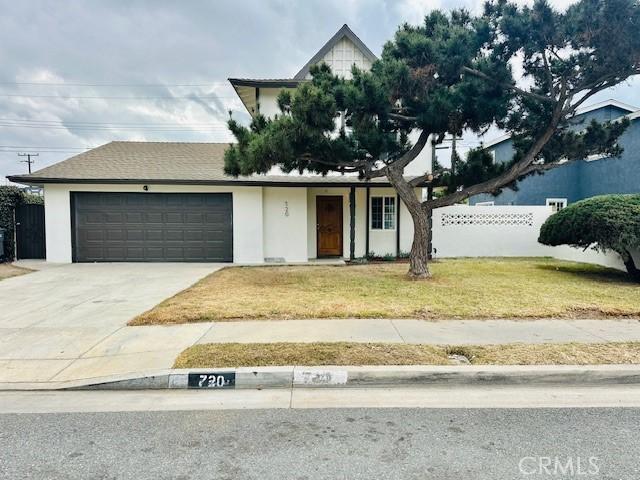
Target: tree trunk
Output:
[
  {"x": 631, "y": 267},
  {"x": 418, "y": 259}
]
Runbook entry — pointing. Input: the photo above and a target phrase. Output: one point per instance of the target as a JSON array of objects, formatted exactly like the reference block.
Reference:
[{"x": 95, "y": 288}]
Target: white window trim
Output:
[
  {"x": 563, "y": 201},
  {"x": 395, "y": 206}
]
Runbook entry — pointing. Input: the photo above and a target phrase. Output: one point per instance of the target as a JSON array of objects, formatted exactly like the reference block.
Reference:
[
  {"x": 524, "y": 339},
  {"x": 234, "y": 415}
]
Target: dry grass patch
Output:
[
  {"x": 223, "y": 355},
  {"x": 341, "y": 353},
  {"x": 7, "y": 271},
  {"x": 460, "y": 288},
  {"x": 553, "y": 354}
]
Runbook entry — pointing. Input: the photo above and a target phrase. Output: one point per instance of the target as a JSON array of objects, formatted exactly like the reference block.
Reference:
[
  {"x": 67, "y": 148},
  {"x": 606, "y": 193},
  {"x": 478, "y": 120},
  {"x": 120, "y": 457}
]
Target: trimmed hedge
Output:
[
  {"x": 10, "y": 197},
  {"x": 606, "y": 222}
]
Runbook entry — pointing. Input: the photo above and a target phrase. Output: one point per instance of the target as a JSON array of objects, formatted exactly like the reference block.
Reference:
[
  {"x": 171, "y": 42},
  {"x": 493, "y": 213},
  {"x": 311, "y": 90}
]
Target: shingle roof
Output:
[{"x": 164, "y": 162}]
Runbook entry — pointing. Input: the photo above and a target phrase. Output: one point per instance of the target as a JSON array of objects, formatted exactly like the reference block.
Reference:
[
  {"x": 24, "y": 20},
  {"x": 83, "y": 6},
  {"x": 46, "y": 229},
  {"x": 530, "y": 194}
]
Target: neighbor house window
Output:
[
  {"x": 485, "y": 204},
  {"x": 383, "y": 213},
  {"x": 556, "y": 204}
]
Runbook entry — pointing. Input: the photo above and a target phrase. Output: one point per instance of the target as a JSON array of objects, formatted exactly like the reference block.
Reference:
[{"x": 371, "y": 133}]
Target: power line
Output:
[
  {"x": 64, "y": 84},
  {"x": 37, "y": 122},
  {"x": 73, "y": 97},
  {"x": 51, "y": 124},
  {"x": 22, "y": 147},
  {"x": 39, "y": 151},
  {"x": 111, "y": 129}
]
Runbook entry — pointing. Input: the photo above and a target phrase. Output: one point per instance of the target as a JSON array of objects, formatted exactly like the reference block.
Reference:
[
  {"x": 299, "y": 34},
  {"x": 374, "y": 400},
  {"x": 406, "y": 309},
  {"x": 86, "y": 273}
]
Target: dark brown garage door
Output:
[{"x": 152, "y": 227}]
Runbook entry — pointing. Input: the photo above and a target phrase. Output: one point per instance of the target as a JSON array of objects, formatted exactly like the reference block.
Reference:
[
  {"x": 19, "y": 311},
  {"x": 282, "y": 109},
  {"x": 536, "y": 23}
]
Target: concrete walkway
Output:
[
  {"x": 53, "y": 320},
  {"x": 446, "y": 332},
  {"x": 58, "y": 357}
]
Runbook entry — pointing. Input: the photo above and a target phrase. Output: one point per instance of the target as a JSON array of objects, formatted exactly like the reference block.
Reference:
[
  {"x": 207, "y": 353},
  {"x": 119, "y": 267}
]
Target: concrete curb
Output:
[{"x": 351, "y": 376}]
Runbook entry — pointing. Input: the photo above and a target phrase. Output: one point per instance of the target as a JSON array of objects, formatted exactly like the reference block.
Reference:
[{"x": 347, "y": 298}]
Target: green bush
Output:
[
  {"x": 10, "y": 197},
  {"x": 607, "y": 222}
]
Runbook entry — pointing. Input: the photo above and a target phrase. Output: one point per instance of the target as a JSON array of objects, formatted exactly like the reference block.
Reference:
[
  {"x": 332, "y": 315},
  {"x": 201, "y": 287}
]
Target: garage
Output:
[{"x": 152, "y": 227}]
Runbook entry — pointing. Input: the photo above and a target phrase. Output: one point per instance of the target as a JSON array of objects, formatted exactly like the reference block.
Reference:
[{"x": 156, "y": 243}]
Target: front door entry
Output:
[{"x": 329, "y": 226}]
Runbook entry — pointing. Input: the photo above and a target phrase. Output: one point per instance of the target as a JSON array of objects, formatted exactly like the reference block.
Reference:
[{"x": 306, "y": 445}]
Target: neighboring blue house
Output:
[{"x": 576, "y": 180}]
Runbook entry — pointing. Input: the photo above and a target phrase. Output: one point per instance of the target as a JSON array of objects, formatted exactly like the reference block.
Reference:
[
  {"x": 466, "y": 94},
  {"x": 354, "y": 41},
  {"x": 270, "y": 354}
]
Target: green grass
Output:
[
  {"x": 460, "y": 288},
  {"x": 223, "y": 355}
]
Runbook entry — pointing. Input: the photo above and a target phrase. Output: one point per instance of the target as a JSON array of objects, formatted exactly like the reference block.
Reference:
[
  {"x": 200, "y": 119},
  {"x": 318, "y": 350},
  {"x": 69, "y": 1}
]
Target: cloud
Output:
[{"x": 182, "y": 51}]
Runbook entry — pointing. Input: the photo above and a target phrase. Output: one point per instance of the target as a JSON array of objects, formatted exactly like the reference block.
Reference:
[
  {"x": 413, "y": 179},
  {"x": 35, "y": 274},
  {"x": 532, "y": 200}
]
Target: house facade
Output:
[
  {"x": 172, "y": 202},
  {"x": 576, "y": 180}
]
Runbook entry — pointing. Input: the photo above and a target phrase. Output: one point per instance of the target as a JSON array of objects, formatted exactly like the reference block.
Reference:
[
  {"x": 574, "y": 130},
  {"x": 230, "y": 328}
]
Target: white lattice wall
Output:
[
  {"x": 472, "y": 218},
  {"x": 503, "y": 231}
]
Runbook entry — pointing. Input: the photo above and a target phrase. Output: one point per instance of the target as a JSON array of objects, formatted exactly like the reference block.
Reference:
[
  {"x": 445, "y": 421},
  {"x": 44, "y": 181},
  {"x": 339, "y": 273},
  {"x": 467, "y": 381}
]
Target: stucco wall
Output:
[
  {"x": 285, "y": 224},
  {"x": 422, "y": 163},
  {"x": 247, "y": 216},
  {"x": 268, "y": 101}
]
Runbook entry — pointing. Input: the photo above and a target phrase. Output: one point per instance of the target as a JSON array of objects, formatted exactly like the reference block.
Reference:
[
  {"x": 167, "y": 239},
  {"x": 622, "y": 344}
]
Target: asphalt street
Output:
[{"x": 362, "y": 443}]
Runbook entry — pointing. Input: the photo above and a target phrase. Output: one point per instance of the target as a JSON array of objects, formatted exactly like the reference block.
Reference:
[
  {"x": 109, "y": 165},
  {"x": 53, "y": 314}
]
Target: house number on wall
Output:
[{"x": 286, "y": 208}]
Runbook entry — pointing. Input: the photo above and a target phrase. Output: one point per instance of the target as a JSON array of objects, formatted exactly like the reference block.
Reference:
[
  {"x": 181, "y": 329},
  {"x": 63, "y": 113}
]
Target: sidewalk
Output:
[{"x": 142, "y": 349}]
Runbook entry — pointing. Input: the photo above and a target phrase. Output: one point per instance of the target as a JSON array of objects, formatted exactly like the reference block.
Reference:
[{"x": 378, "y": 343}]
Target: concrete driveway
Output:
[{"x": 61, "y": 322}]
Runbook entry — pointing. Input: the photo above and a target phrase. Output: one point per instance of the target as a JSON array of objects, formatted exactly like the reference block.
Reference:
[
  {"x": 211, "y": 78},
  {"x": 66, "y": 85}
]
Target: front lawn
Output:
[
  {"x": 222, "y": 355},
  {"x": 7, "y": 270},
  {"x": 460, "y": 288}
]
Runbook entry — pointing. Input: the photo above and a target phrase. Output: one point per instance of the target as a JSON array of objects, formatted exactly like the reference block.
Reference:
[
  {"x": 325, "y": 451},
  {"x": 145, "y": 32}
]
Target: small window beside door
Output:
[
  {"x": 556, "y": 204},
  {"x": 383, "y": 213}
]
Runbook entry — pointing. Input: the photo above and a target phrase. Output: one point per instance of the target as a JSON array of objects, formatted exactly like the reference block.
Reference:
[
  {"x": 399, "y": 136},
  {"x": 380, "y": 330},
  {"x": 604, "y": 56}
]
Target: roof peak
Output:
[
  {"x": 344, "y": 31},
  {"x": 610, "y": 102}
]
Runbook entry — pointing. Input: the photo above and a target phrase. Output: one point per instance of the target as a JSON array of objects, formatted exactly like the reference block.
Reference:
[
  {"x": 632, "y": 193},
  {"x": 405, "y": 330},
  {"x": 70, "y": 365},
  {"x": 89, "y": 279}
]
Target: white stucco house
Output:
[{"x": 163, "y": 201}]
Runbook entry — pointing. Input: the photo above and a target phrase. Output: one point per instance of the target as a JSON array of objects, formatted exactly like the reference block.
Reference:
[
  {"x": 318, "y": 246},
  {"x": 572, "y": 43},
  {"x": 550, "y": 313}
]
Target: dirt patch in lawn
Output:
[
  {"x": 224, "y": 355},
  {"x": 460, "y": 288},
  {"x": 7, "y": 271}
]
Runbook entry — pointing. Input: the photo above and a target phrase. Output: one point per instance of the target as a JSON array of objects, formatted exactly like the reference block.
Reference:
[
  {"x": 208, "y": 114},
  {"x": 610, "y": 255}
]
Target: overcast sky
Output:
[{"x": 79, "y": 74}]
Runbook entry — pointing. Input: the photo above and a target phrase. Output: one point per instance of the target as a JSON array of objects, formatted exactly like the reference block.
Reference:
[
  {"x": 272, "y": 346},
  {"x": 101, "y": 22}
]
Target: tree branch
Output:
[
  {"x": 401, "y": 161},
  {"x": 516, "y": 171},
  {"x": 426, "y": 178},
  {"x": 356, "y": 164},
  {"x": 547, "y": 69},
  {"x": 509, "y": 85},
  {"x": 404, "y": 118}
]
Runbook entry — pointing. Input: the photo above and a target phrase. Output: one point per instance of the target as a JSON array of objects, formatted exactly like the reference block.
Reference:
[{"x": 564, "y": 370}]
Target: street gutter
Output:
[{"x": 351, "y": 376}]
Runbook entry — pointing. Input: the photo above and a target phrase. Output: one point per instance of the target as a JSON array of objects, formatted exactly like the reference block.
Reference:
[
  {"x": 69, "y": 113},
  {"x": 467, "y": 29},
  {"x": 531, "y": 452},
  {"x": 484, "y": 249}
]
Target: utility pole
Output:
[{"x": 28, "y": 161}]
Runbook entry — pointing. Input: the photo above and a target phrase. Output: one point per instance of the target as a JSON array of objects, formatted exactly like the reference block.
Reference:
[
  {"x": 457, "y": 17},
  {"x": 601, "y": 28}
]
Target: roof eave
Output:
[
  {"x": 266, "y": 83},
  {"x": 231, "y": 182}
]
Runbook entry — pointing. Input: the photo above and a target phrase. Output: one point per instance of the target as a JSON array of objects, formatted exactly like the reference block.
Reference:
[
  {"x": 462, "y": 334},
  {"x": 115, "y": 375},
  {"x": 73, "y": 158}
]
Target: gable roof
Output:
[
  {"x": 167, "y": 163},
  {"x": 247, "y": 88},
  {"x": 606, "y": 103},
  {"x": 345, "y": 31}
]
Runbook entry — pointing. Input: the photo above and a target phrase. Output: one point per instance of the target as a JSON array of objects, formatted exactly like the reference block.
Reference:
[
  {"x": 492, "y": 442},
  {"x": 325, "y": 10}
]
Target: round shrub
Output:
[{"x": 607, "y": 222}]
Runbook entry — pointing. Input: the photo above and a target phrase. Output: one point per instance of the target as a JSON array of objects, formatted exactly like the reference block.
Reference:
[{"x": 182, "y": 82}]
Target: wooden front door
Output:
[{"x": 329, "y": 226}]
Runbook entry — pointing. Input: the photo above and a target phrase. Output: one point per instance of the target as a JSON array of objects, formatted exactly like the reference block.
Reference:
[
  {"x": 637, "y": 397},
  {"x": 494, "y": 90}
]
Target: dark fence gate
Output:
[{"x": 30, "y": 231}]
